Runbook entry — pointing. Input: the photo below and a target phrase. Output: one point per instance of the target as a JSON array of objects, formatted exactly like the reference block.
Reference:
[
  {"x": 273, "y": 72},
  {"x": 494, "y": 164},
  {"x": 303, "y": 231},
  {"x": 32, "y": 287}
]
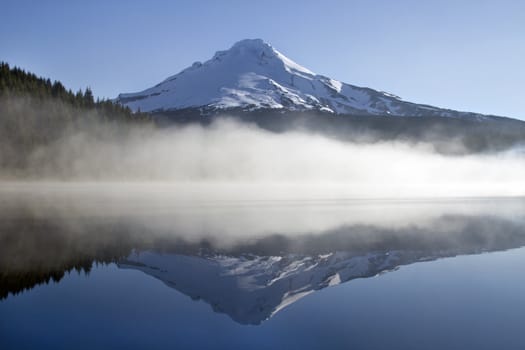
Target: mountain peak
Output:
[
  {"x": 252, "y": 44},
  {"x": 248, "y": 49},
  {"x": 259, "y": 51}
]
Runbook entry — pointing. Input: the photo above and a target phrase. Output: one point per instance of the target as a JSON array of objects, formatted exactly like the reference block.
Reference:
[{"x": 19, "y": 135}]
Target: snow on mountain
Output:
[
  {"x": 251, "y": 289},
  {"x": 254, "y": 75}
]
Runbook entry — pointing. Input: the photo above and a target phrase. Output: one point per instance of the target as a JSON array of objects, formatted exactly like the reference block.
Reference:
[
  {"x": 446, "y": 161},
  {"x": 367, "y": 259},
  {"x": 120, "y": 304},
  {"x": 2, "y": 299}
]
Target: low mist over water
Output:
[{"x": 232, "y": 152}]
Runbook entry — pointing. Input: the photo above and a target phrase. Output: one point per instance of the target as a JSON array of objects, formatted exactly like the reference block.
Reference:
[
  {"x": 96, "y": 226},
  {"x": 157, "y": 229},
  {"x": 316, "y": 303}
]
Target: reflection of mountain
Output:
[
  {"x": 249, "y": 280},
  {"x": 251, "y": 289}
]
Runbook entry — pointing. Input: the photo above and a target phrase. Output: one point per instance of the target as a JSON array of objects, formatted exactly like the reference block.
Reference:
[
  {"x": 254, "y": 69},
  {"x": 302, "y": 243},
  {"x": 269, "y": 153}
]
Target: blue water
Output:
[{"x": 464, "y": 302}]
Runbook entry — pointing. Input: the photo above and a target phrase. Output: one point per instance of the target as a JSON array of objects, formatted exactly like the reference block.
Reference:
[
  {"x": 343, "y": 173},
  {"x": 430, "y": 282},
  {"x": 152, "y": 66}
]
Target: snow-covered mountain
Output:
[{"x": 254, "y": 75}]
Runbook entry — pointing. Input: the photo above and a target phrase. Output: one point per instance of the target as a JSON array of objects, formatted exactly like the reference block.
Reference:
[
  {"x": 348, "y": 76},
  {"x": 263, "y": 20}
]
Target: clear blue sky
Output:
[{"x": 466, "y": 55}]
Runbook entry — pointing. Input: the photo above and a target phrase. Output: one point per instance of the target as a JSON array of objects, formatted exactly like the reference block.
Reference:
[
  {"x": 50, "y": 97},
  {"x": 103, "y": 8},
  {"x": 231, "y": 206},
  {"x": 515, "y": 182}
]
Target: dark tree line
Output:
[
  {"x": 36, "y": 112},
  {"x": 16, "y": 82}
]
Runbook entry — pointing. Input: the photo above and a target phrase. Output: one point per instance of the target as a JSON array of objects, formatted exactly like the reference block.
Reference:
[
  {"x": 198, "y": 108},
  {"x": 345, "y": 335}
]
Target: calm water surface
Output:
[{"x": 86, "y": 268}]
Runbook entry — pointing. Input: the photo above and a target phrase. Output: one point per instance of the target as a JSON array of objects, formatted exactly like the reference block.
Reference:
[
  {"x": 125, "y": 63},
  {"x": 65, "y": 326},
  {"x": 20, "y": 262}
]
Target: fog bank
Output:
[{"x": 232, "y": 152}]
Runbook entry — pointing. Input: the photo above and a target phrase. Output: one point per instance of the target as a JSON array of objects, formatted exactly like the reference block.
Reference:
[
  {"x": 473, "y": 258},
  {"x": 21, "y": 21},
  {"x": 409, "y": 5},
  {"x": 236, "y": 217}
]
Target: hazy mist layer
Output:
[{"x": 231, "y": 152}]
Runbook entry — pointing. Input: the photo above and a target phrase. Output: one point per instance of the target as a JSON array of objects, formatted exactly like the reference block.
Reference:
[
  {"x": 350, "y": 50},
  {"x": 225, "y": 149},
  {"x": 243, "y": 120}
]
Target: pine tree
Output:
[{"x": 88, "y": 98}]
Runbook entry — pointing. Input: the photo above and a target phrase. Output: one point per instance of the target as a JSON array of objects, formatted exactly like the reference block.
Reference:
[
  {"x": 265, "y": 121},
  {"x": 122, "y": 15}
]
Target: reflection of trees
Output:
[
  {"x": 18, "y": 282},
  {"x": 35, "y": 251},
  {"x": 452, "y": 233}
]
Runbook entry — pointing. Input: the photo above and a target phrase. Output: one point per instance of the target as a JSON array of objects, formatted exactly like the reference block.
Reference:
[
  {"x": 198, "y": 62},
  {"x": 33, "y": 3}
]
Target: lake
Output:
[{"x": 96, "y": 266}]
